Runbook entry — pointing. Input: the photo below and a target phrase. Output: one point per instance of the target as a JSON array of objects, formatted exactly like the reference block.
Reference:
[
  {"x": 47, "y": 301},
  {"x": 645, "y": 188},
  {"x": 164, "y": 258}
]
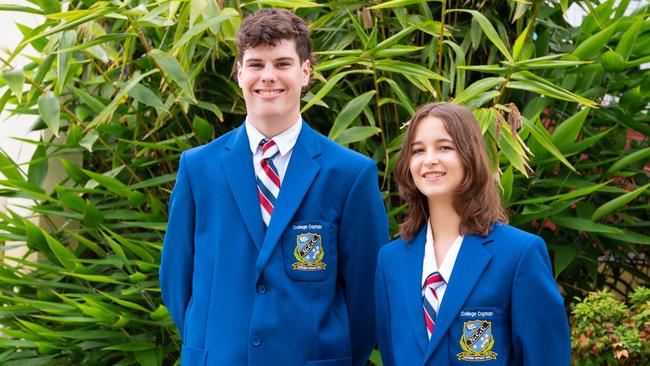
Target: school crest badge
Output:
[
  {"x": 309, "y": 252},
  {"x": 477, "y": 341}
]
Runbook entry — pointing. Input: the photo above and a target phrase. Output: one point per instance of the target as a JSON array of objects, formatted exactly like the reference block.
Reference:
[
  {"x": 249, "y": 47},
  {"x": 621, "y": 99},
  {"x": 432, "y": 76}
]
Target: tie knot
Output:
[
  {"x": 434, "y": 280},
  {"x": 269, "y": 148}
]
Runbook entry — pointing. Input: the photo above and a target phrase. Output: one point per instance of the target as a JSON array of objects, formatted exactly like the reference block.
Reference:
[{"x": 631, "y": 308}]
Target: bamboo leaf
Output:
[
  {"x": 624, "y": 47},
  {"x": 203, "y": 129},
  {"x": 38, "y": 166},
  {"x": 617, "y": 203},
  {"x": 68, "y": 40},
  {"x": 107, "y": 113},
  {"x": 226, "y": 14},
  {"x": 629, "y": 237},
  {"x": 545, "y": 140},
  {"x": 172, "y": 68},
  {"x": 579, "y": 224},
  {"x": 9, "y": 169},
  {"x": 329, "y": 85},
  {"x": 567, "y": 132},
  {"x": 349, "y": 113},
  {"x": 403, "y": 67},
  {"x": 64, "y": 256},
  {"x": 50, "y": 111},
  {"x": 354, "y": 134},
  {"x": 477, "y": 88},
  {"x": 146, "y": 96},
  {"x": 131, "y": 346},
  {"x": 15, "y": 79},
  {"x": 641, "y": 155},
  {"x": 399, "y": 3},
  {"x": 489, "y": 31},
  {"x": 592, "y": 45}
]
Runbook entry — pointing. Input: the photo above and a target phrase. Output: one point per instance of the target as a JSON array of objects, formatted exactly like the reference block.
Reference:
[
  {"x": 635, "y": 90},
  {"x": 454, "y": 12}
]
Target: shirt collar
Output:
[
  {"x": 447, "y": 265},
  {"x": 285, "y": 141}
]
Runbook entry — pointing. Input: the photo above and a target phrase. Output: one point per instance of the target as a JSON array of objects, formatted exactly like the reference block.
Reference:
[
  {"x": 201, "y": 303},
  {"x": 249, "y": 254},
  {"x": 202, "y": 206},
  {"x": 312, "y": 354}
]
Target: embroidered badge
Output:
[
  {"x": 309, "y": 253},
  {"x": 477, "y": 341}
]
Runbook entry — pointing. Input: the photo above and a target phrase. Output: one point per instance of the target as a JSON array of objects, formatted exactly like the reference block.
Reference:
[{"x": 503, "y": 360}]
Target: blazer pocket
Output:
[
  {"x": 307, "y": 251},
  {"x": 479, "y": 336},
  {"x": 191, "y": 356},
  {"x": 345, "y": 361}
]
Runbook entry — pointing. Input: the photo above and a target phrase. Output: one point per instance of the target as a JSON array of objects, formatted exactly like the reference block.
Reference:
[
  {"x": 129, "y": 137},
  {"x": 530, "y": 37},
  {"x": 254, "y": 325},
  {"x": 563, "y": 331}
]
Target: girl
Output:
[{"x": 460, "y": 287}]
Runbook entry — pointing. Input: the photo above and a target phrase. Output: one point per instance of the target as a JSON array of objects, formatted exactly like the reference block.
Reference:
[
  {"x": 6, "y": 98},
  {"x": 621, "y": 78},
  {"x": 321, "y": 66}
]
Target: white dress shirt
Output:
[
  {"x": 430, "y": 265},
  {"x": 285, "y": 141}
]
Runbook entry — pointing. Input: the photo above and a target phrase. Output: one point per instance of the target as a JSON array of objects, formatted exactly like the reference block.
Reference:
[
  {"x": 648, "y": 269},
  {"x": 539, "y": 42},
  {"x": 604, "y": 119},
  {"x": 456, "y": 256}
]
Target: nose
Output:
[
  {"x": 268, "y": 75},
  {"x": 431, "y": 159}
]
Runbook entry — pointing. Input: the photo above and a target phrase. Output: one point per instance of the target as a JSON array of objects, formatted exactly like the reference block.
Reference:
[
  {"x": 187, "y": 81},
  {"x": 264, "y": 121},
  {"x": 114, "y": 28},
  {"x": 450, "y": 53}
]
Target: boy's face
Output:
[{"x": 271, "y": 78}]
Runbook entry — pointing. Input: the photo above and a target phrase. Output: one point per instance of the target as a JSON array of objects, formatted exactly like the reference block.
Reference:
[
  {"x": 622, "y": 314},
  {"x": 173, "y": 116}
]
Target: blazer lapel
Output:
[
  {"x": 301, "y": 171},
  {"x": 470, "y": 263},
  {"x": 240, "y": 173},
  {"x": 411, "y": 271}
]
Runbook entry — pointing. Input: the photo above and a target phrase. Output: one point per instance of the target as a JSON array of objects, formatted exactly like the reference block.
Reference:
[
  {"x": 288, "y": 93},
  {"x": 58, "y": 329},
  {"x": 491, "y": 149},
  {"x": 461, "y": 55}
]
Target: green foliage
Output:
[
  {"x": 605, "y": 331},
  {"x": 121, "y": 88}
]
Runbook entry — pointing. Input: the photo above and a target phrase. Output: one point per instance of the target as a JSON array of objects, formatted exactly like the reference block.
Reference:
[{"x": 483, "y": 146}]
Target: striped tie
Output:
[
  {"x": 430, "y": 301},
  {"x": 268, "y": 180}
]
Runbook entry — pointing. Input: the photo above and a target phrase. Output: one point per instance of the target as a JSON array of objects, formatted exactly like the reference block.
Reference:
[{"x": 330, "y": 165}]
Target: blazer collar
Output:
[
  {"x": 470, "y": 264},
  {"x": 238, "y": 168},
  {"x": 411, "y": 271}
]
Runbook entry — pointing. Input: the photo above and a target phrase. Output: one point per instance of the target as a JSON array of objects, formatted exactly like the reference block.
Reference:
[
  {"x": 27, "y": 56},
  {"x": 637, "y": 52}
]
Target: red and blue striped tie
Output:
[
  {"x": 268, "y": 180},
  {"x": 430, "y": 302}
]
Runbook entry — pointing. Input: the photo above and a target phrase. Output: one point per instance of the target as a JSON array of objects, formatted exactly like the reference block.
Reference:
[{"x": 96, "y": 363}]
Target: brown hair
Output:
[
  {"x": 269, "y": 26},
  {"x": 477, "y": 201}
]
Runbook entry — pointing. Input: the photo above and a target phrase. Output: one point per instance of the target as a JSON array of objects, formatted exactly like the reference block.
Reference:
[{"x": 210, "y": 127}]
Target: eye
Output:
[
  {"x": 417, "y": 150},
  {"x": 255, "y": 65},
  {"x": 446, "y": 147},
  {"x": 283, "y": 65}
]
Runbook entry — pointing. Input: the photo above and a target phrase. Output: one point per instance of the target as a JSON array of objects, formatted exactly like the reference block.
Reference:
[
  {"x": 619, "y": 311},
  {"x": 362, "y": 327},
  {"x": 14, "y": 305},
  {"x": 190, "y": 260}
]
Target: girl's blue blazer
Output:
[{"x": 501, "y": 307}]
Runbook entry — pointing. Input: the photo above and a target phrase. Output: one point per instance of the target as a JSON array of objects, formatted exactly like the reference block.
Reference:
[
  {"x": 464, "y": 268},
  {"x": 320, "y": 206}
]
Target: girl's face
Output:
[{"x": 435, "y": 164}]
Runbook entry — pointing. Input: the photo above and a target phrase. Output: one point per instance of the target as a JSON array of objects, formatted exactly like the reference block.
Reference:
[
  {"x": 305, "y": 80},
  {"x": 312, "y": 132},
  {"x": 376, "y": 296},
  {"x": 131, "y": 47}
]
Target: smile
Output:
[
  {"x": 269, "y": 92},
  {"x": 433, "y": 174}
]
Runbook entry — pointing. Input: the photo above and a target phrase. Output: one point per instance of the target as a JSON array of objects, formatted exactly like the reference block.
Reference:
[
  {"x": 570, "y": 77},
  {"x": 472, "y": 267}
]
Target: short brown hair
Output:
[
  {"x": 477, "y": 201},
  {"x": 269, "y": 26}
]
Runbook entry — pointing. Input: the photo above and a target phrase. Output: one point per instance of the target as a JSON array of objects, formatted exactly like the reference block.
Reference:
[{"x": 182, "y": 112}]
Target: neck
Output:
[
  {"x": 444, "y": 221},
  {"x": 273, "y": 126}
]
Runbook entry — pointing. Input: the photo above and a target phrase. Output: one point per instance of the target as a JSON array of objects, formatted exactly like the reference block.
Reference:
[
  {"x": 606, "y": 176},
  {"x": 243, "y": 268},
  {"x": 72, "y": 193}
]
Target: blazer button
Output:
[
  {"x": 261, "y": 289},
  {"x": 256, "y": 341}
]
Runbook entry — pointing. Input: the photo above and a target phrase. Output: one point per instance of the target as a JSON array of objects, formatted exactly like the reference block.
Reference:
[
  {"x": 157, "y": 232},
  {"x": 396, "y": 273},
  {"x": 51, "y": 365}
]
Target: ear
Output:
[
  {"x": 239, "y": 73},
  {"x": 306, "y": 72}
]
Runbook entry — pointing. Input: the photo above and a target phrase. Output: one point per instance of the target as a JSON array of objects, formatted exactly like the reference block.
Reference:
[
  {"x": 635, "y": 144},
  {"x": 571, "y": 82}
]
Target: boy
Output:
[{"x": 274, "y": 229}]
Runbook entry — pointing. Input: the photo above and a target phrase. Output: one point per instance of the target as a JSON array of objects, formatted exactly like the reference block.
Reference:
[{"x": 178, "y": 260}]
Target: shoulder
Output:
[
  {"x": 214, "y": 146},
  {"x": 337, "y": 155},
  {"x": 515, "y": 240},
  {"x": 393, "y": 251}
]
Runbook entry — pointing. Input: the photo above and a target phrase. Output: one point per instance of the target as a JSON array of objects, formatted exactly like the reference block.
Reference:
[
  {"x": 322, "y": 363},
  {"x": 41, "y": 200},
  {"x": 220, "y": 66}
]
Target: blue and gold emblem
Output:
[
  {"x": 477, "y": 341},
  {"x": 309, "y": 252}
]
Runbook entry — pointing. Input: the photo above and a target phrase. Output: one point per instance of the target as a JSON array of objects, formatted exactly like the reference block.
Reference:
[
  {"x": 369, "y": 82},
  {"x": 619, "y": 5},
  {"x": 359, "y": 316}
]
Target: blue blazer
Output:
[
  {"x": 501, "y": 306},
  {"x": 296, "y": 294}
]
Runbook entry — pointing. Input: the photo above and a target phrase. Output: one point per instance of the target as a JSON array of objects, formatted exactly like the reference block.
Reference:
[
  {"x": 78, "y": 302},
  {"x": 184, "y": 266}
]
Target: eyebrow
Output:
[
  {"x": 438, "y": 140},
  {"x": 275, "y": 60}
]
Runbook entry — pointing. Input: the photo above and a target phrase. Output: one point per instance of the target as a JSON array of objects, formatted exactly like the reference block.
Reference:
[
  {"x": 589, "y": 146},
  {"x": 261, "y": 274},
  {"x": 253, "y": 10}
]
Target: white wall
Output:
[{"x": 16, "y": 126}]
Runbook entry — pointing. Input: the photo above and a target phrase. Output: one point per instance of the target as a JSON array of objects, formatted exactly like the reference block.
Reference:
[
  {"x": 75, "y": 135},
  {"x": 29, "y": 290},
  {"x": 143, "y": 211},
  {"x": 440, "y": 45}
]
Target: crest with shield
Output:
[
  {"x": 477, "y": 341},
  {"x": 309, "y": 252}
]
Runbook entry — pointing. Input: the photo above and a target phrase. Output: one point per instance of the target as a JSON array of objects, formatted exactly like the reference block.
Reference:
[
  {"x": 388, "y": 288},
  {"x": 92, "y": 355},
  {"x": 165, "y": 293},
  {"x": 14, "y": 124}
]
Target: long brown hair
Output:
[{"x": 477, "y": 201}]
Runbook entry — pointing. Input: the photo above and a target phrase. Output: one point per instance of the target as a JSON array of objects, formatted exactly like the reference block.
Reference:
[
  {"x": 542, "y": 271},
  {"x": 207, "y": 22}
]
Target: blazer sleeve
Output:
[
  {"x": 540, "y": 328},
  {"x": 177, "y": 261},
  {"x": 383, "y": 317},
  {"x": 362, "y": 231}
]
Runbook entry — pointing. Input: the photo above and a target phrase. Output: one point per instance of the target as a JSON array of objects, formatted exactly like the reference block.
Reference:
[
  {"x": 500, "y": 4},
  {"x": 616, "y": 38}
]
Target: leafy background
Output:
[{"x": 121, "y": 88}]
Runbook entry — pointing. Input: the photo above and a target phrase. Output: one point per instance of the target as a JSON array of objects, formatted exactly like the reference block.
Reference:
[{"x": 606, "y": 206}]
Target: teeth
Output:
[
  {"x": 269, "y": 92},
  {"x": 434, "y": 174}
]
